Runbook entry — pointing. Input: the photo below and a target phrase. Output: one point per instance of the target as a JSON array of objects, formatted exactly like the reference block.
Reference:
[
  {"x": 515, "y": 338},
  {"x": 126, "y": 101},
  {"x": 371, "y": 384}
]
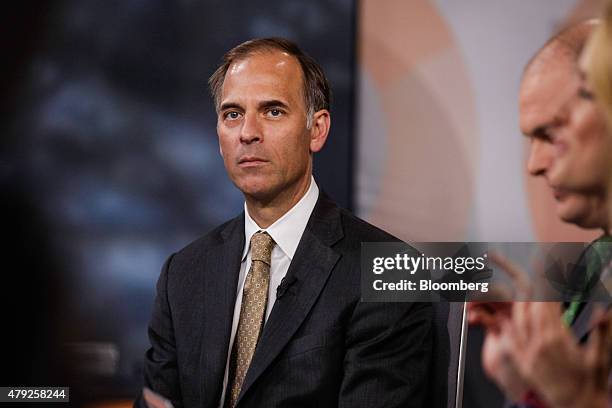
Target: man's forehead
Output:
[
  {"x": 546, "y": 87},
  {"x": 269, "y": 60},
  {"x": 272, "y": 71}
]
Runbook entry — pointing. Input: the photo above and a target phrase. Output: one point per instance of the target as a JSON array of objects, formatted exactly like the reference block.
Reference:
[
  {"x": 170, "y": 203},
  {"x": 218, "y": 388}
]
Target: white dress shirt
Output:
[{"x": 286, "y": 233}]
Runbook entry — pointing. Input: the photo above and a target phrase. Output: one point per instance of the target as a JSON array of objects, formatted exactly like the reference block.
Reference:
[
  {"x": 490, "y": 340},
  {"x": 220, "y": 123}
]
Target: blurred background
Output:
[{"x": 109, "y": 159}]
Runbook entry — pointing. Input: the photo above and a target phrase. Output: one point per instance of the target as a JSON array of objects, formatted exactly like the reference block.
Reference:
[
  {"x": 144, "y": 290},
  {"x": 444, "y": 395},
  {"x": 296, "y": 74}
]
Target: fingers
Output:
[
  {"x": 599, "y": 345},
  {"x": 597, "y": 356},
  {"x": 601, "y": 333},
  {"x": 519, "y": 328},
  {"x": 517, "y": 352},
  {"x": 497, "y": 292},
  {"x": 482, "y": 315},
  {"x": 519, "y": 278},
  {"x": 499, "y": 366},
  {"x": 607, "y": 320},
  {"x": 600, "y": 316},
  {"x": 546, "y": 316},
  {"x": 488, "y": 314}
]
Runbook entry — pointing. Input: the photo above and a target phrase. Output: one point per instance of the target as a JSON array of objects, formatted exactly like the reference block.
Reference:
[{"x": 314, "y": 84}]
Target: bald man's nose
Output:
[
  {"x": 540, "y": 157},
  {"x": 250, "y": 131}
]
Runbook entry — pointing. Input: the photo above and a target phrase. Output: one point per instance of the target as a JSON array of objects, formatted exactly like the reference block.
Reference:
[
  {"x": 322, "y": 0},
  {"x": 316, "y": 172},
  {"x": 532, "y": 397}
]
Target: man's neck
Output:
[
  {"x": 599, "y": 214},
  {"x": 265, "y": 213},
  {"x": 605, "y": 210}
]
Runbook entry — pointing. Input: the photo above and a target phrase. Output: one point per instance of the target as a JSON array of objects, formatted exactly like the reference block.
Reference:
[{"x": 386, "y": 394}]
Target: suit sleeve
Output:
[
  {"x": 160, "y": 364},
  {"x": 388, "y": 354}
]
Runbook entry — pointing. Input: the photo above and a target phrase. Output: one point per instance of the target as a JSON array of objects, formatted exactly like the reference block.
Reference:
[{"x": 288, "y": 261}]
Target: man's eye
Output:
[
  {"x": 542, "y": 134},
  {"x": 275, "y": 113},
  {"x": 585, "y": 93},
  {"x": 232, "y": 115}
]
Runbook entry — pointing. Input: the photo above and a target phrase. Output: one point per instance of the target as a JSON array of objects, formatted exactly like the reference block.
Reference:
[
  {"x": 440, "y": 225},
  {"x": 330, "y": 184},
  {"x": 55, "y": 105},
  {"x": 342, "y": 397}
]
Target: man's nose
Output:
[
  {"x": 540, "y": 157},
  {"x": 251, "y": 129}
]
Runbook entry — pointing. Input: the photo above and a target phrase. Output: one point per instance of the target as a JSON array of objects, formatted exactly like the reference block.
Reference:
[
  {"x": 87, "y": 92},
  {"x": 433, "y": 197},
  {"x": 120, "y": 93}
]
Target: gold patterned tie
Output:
[{"x": 252, "y": 312}]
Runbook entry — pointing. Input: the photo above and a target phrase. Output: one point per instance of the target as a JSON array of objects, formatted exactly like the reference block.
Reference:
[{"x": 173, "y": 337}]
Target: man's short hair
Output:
[
  {"x": 569, "y": 43},
  {"x": 315, "y": 87}
]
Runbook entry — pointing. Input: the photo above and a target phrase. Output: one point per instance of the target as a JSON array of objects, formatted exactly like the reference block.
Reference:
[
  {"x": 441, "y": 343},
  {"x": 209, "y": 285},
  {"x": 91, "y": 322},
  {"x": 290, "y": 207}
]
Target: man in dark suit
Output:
[{"x": 265, "y": 310}]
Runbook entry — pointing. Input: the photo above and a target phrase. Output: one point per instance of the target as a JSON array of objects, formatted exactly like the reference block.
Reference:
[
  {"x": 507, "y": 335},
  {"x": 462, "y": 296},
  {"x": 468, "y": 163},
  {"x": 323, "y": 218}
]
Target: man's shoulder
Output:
[
  {"x": 212, "y": 238},
  {"x": 358, "y": 229},
  {"x": 329, "y": 218}
]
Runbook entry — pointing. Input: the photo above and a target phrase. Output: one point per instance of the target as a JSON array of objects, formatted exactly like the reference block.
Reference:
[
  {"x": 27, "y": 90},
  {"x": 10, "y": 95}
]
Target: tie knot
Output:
[{"x": 261, "y": 247}]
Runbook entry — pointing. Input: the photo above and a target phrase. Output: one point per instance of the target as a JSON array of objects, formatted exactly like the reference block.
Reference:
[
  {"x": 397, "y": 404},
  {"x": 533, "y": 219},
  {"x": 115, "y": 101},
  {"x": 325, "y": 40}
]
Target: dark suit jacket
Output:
[{"x": 321, "y": 346}]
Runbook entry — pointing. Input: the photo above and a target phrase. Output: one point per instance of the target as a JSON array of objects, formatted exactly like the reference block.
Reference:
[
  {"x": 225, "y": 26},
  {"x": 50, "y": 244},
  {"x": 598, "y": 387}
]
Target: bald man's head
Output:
[
  {"x": 567, "y": 44},
  {"x": 568, "y": 144},
  {"x": 550, "y": 78}
]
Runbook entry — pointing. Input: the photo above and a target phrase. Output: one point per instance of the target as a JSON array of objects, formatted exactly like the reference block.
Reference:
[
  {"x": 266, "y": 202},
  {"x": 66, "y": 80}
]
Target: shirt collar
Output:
[{"x": 288, "y": 229}]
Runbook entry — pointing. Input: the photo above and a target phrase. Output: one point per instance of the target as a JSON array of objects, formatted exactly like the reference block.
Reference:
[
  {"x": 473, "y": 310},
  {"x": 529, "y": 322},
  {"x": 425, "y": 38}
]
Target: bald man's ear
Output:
[{"x": 321, "y": 122}]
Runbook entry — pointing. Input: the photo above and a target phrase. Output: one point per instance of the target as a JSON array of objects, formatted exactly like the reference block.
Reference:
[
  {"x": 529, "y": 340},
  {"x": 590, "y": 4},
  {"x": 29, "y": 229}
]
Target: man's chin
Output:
[
  {"x": 257, "y": 191},
  {"x": 580, "y": 210},
  {"x": 572, "y": 215}
]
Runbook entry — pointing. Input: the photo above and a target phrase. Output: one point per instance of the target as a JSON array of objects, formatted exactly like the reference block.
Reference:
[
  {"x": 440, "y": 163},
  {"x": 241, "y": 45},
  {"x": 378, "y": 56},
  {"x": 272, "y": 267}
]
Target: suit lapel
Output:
[
  {"x": 310, "y": 267},
  {"x": 221, "y": 271}
]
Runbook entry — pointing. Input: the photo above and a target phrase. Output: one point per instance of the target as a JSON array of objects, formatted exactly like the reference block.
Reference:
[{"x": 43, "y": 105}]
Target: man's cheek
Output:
[{"x": 561, "y": 147}]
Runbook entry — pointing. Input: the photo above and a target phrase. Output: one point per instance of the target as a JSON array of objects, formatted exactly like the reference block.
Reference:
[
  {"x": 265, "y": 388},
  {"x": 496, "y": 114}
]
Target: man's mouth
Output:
[
  {"x": 559, "y": 194},
  {"x": 251, "y": 161}
]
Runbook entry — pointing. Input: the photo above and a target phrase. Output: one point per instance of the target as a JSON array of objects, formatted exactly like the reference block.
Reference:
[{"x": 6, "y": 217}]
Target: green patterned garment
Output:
[{"x": 598, "y": 255}]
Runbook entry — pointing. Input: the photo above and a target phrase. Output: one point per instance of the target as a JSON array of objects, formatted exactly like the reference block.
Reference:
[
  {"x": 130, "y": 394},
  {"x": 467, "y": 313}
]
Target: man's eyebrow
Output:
[
  {"x": 230, "y": 105},
  {"x": 273, "y": 103},
  {"x": 540, "y": 132}
]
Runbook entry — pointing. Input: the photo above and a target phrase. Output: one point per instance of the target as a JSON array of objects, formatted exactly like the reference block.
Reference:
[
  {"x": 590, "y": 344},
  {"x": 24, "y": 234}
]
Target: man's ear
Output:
[{"x": 321, "y": 122}]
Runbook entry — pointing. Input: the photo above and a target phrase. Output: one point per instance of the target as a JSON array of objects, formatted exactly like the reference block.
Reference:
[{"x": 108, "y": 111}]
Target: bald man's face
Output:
[{"x": 570, "y": 147}]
